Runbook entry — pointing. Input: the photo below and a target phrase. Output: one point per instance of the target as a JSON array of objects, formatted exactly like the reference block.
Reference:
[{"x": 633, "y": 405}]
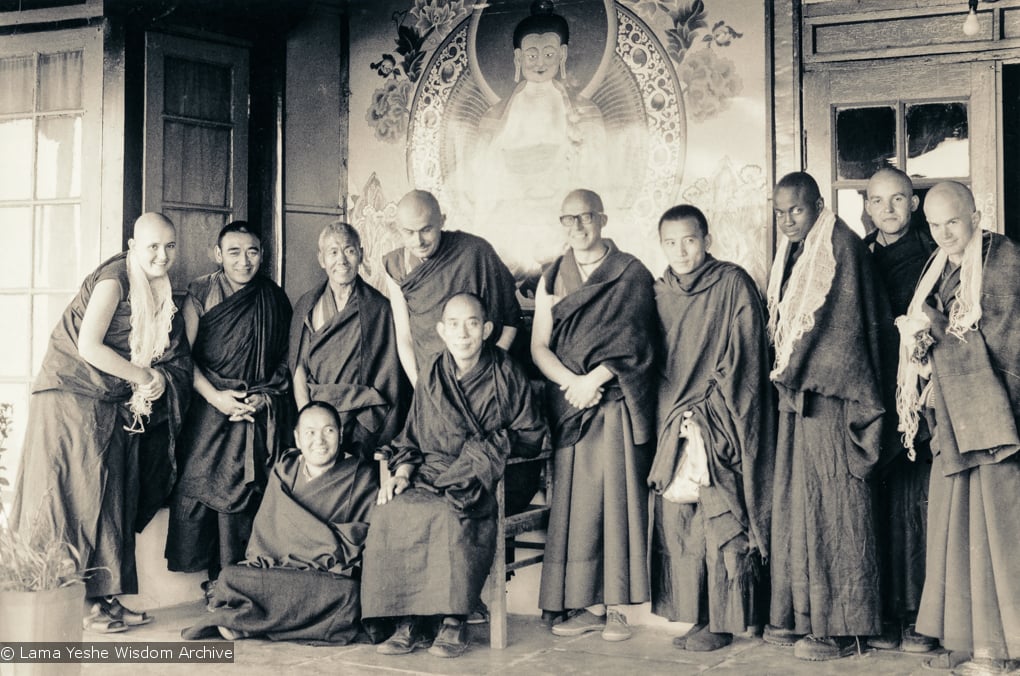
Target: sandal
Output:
[
  {"x": 945, "y": 661},
  {"x": 113, "y": 608},
  {"x": 100, "y": 622}
]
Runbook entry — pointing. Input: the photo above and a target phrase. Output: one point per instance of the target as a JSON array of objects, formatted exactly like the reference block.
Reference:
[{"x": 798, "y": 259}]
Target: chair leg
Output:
[{"x": 497, "y": 579}]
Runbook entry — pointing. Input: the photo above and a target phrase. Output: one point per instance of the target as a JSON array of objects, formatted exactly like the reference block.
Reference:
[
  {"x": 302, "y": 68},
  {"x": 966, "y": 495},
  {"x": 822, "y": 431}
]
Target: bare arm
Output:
[
  {"x": 582, "y": 390},
  {"x": 506, "y": 338},
  {"x": 301, "y": 395},
  {"x": 402, "y": 327},
  {"x": 94, "y": 325}
]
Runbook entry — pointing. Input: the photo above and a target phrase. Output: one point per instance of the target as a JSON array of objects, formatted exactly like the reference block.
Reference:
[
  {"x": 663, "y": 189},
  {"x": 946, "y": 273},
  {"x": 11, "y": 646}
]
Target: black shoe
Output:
[
  {"x": 406, "y": 639},
  {"x": 452, "y": 640}
]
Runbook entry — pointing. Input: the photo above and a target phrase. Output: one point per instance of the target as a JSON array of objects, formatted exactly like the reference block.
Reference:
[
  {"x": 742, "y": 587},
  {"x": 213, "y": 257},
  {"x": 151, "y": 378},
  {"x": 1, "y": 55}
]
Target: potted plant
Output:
[{"x": 42, "y": 593}]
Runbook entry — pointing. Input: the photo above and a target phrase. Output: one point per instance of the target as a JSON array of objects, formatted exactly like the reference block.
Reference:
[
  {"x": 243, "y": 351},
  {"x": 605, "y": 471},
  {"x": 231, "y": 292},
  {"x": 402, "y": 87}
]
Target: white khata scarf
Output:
[
  {"x": 809, "y": 285},
  {"x": 916, "y": 340},
  {"x": 152, "y": 312}
]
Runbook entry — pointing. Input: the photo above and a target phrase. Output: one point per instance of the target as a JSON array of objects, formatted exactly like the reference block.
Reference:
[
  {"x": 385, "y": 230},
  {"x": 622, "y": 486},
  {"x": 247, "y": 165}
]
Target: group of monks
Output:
[{"x": 787, "y": 463}]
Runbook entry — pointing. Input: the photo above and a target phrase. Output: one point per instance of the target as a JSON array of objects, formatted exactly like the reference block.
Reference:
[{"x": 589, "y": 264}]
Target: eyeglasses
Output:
[{"x": 586, "y": 218}]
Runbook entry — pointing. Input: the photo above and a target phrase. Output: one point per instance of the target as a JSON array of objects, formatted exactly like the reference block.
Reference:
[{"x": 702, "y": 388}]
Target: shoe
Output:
[
  {"x": 821, "y": 648},
  {"x": 945, "y": 660},
  {"x": 452, "y": 640},
  {"x": 480, "y": 614},
  {"x": 977, "y": 666},
  {"x": 779, "y": 636},
  {"x": 233, "y": 634},
  {"x": 680, "y": 642},
  {"x": 581, "y": 623},
  {"x": 406, "y": 639},
  {"x": 912, "y": 642},
  {"x": 99, "y": 621},
  {"x": 113, "y": 608},
  {"x": 706, "y": 641},
  {"x": 616, "y": 628},
  {"x": 889, "y": 639},
  {"x": 208, "y": 588}
]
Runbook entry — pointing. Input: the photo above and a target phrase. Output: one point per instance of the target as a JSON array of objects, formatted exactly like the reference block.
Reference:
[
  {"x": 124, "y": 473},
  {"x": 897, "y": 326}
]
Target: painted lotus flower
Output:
[{"x": 390, "y": 110}]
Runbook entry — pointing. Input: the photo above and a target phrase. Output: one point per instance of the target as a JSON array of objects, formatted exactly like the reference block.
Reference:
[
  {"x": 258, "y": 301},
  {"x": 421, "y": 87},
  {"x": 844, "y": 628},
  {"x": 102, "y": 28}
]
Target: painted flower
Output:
[
  {"x": 711, "y": 81},
  {"x": 385, "y": 66},
  {"x": 390, "y": 110},
  {"x": 436, "y": 18},
  {"x": 722, "y": 35}
]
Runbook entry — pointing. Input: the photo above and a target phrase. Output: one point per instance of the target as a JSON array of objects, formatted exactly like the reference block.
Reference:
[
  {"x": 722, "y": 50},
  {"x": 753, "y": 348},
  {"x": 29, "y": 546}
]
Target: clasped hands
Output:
[
  {"x": 155, "y": 387},
  {"x": 238, "y": 405},
  {"x": 582, "y": 391}
]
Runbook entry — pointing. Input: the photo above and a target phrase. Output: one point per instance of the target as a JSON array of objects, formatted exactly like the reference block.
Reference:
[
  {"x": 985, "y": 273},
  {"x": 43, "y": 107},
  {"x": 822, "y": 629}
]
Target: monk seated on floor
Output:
[
  {"x": 300, "y": 577},
  {"x": 434, "y": 534}
]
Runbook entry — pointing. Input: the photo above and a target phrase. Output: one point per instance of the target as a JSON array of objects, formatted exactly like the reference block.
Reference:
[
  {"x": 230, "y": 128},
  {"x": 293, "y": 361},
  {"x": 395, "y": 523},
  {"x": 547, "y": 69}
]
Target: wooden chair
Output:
[
  {"x": 534, "y": 518},
  {"x": 508, "y": 528}
]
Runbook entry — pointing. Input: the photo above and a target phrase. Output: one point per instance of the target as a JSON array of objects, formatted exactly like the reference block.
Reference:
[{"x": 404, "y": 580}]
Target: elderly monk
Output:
[
  {"x": 900, "y": 251},
  {"x": 431, "y": 266},
  {"x": 959, "y": 360},
  {"x": 237, "y": 322},
  {"x": 434, "y": 535},
  {"x": 596, "y": 338},
  {"x": 105, "y": 412},
  {"x": 300, "y": 576},
  {"x": 828, "y": 319},
  {"x": 343, "y": 349},
  {"x": 707, "y": 550}
]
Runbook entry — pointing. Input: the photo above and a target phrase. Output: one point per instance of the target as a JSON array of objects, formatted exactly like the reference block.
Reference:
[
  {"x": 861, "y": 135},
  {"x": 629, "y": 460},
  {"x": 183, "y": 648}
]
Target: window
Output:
[
  {"x": 927, "y": 139},
  {"x": 50, "y": 130},
  {"x": 196, "y": 143}
]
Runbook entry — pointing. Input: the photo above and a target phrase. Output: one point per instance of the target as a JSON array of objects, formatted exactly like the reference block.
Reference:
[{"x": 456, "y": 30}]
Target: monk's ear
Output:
[
  {"x": 441, "y": 330},
  {"x": 219, "y": 254},
  {"x": 131, "y": 244},
  {"x": 318, "y": 257},
  {"x": 487, "y": 329},
  {"x": 915, "y": 202},
  {"x": 708, "y": 241},
  {"x": 975, "y": 219}
]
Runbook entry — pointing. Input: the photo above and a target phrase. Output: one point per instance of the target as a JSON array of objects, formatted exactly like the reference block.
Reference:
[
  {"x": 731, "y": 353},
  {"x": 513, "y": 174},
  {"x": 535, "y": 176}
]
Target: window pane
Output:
[
  {"x": 17, "y": 78},
  {"x": 937, "y": 143},
  {"x": 14, "y": 337},
  {"x": 865, "y": 141},
  {"x": 63, "y": 256},
  {"x": 194, "y": 89},
  {"x": 17, "y": 396},
  {"x": 16, "y": 249},
  {"x": 58, "y": 170},
  {"x": 47, "y": 310},
  {"x": 196, "y": 237},
  {"x": 16, "y": 166},
  {"x": 60, "y": 81},
  {"x": 196, "y": 164},
  {"x": 850, "y": 207}
]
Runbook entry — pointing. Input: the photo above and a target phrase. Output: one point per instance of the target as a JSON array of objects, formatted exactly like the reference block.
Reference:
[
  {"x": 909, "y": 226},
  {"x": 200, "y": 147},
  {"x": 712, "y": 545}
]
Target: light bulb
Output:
[{"x": 971, "y": 25}]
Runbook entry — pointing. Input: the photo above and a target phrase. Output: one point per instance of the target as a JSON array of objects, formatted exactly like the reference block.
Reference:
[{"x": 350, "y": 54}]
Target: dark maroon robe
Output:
[
  {"x": 430, "y": 548},
  {"x": 462, "y": 263},
  {"x": 242, "y": 345},
  {"x": 971, "y": 599},
  {"x": 596, "y": 549},
  {"x": 82, "y": 474},
  {"x": 824, "y": 562},
  {"x": 704, "y": 556},
  {"x": 901, "y": 485},
  {"x": 300, "y": 577},
  {"x": 351, "y": 362}
]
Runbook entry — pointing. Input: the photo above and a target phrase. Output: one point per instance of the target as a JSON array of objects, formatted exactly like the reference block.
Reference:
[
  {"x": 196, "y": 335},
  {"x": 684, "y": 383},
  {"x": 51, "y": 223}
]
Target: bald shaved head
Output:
[
  {"x": 152, "y": 219},
  {"x": 467, "y": 302},
  {"x": 420, "y": 222},
  {"x": 891, "y": 203},
  {"x": 588, "y": 198},
  {"x": 952, "y": 217},
  {"x": 153, "y": 244},
  {"x": 952, "y": 190}
]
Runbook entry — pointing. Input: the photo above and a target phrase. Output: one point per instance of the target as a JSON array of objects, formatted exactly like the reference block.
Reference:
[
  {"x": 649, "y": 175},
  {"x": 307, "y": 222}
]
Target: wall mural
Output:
[{"x": 501, "y": 108}]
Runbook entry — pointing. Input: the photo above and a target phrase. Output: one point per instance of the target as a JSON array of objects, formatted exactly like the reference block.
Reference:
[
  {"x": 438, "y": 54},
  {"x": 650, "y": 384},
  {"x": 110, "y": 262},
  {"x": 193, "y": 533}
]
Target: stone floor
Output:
[{"x": 532, "y": 651}]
